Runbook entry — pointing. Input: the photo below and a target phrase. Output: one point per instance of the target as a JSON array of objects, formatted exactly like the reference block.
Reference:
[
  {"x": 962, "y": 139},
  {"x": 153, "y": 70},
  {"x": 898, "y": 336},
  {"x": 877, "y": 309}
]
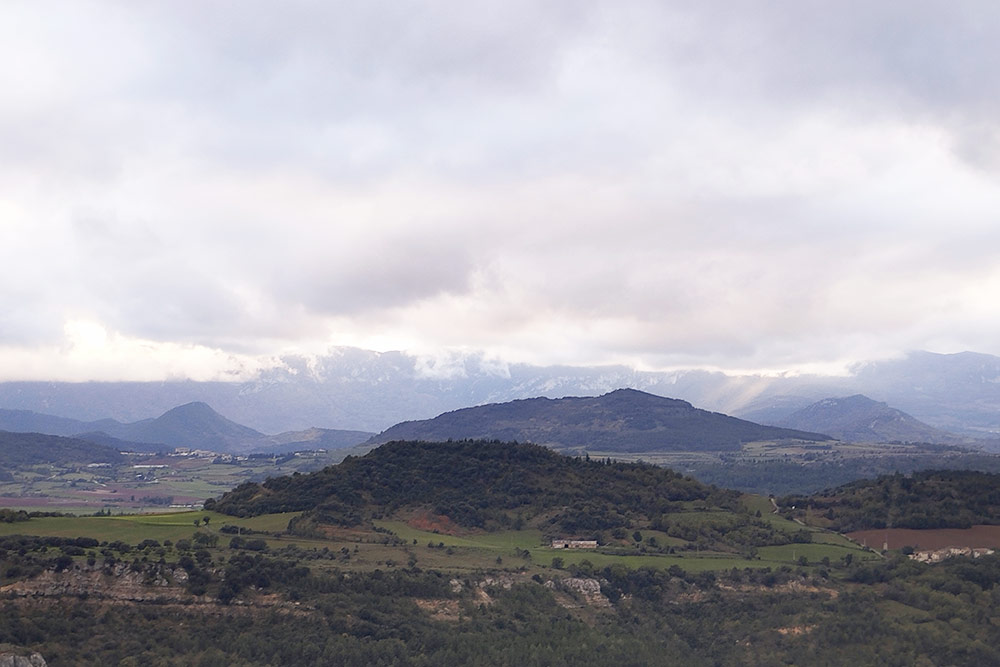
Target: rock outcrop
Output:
[
  {"x": 10, "y": 659},
  {"x": 154, "y": 583}
]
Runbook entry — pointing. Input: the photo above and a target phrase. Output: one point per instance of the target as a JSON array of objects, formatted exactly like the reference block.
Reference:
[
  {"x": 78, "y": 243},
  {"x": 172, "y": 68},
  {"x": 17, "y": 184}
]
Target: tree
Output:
[{"x": 206, "y": 539}]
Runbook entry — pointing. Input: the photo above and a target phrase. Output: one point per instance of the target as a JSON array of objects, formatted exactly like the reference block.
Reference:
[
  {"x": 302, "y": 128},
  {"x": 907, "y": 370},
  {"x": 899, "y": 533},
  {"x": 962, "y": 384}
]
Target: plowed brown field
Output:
[{"x": 975, "y": 537}]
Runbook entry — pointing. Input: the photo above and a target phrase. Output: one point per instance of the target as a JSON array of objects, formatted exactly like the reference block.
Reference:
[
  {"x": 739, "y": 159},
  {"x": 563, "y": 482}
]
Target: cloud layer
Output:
[{"x": 770, "y": 185}]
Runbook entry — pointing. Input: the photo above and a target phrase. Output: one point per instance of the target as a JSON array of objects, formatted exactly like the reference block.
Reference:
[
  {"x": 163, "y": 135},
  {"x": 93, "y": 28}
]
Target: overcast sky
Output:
[{"x": 189, "y": 189}]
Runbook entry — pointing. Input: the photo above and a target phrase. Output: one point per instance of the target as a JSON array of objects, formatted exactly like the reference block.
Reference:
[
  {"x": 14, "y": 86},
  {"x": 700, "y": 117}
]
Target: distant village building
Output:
[
  {"x": 574, "y": 544},
  {"x": 948, "y": 552},
  {"x": 203, "y": 453}
]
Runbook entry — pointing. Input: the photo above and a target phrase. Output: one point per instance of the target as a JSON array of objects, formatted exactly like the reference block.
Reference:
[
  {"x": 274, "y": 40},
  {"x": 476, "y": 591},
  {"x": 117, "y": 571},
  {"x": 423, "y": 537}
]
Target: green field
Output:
[
  {"x": 790, "y": 553},
  {"x": 127, "y": 487},
  {"x": 827, "y": 537},
  {"x": 135, "y": 528},
  {"x": 400, "y": 543},
  {"x": 505, "y": 539},
  {"x": 504, "y": 543},
  {"x": 756, "y": 503}
]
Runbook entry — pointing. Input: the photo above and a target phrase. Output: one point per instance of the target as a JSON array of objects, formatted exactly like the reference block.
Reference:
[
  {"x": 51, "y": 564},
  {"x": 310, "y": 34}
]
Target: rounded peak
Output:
[
  {"x": 197, "y": 407},
  {"x": 857, "y": 398},
  {"x": 629, "y": 394}
]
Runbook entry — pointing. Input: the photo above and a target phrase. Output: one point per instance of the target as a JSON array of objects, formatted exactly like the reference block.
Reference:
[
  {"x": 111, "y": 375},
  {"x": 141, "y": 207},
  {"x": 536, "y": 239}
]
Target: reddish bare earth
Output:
[
  {"x": 435, "y": 523},
  {"x": 37, "y": 501},
  {"x": 975, "y": 537},
  {"x": 121, "y": 495},
  {"x": 122, "y": 492}
]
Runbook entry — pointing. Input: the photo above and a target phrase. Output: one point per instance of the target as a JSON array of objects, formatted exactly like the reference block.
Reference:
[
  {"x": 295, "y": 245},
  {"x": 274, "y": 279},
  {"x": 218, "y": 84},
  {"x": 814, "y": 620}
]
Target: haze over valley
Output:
[{"x": 369, "y": 391}]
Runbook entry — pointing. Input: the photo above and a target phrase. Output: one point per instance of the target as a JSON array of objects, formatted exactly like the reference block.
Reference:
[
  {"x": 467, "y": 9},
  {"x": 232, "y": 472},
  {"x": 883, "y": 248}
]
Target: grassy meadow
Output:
[{"x": 398, "y": 544}]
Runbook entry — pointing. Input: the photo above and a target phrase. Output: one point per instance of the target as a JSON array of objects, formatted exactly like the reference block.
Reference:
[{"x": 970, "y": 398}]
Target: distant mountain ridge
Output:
[
  {"x": 959, "y": 392},
  {"x": 315, "y": 438},
  {"x": 193, "y": 425},
  {"x": 364, "y": 390},
  {"x": 860, "y": 419},
  {"x": 624, "y": 420},
  {"x": 28, "y": 421}
]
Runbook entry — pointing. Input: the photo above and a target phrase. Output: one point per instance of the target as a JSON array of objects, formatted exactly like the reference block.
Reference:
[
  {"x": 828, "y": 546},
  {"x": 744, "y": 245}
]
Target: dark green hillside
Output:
[
  {"x": 25, "y": 449},
  {"x": 484, "y": 485},
  {"x": 779, "y": 477},
  {"x": 624, "y": 420},
  {"x": 928, "y": 499},
  {"x": 215, "y": 605}
]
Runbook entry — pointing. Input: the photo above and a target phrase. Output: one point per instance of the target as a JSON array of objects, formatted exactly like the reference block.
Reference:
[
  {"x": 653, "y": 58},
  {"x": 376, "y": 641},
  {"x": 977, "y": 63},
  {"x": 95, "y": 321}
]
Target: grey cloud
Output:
[
  {"x": 926, "y": 61},
  {"x": 26, "y": 321},
  {"x": 399, "y": 271},
  {"x": 471, "y": 45},
  {"x": 663, "y": 180},
  {"x": 938, "y": 52},
  {"x": 267, "y": 83},
  {"x": 438, "y": 89}
]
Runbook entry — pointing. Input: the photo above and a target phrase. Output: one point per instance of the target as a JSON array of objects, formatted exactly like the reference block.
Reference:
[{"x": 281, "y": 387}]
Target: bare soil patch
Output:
[
  {"x": 121, "y": 492},
  {"x": 789, "y": 588},
  {"x": 440, "y": 610},
  {"x": 434, "y": 523},
  {"x": 39, "y": 501}
]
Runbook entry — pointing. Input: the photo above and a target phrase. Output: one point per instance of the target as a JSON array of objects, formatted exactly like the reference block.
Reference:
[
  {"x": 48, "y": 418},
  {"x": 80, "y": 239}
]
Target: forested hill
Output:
[
  {"x": 18, "y": 449},
  {"x": 860, "y": 419},
  {"x": 485, "y": 485},
  {"x": 624, "y": 420},
  {"x": 194, "y": 425},
  {"x": 928, "y": 499}
]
